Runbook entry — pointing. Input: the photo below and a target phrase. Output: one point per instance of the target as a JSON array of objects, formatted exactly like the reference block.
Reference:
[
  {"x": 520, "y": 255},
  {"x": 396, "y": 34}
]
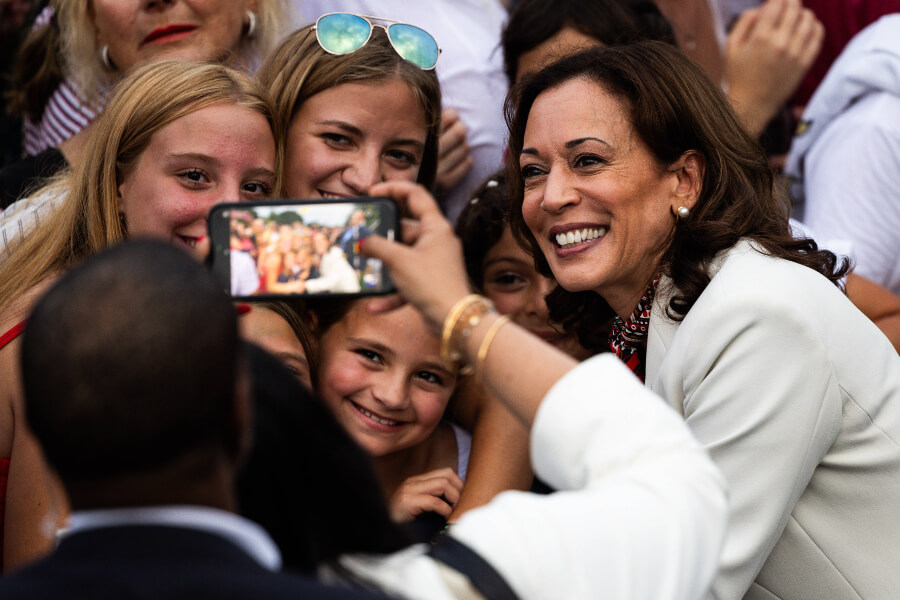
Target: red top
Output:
[
  {"x": 4, "y": 474},
  {"x": 12, "y": 334},
  {"x": 4, "y": 462},
  {"x": 842, "y": 19}
]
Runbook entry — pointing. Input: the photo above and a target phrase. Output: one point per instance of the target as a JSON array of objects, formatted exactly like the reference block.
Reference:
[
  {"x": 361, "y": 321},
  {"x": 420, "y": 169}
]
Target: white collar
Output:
[{"x": 247, "y": 535}]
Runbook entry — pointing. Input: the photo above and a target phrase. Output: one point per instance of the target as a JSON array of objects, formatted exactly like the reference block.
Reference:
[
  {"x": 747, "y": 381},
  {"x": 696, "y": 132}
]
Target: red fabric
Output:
[
  {"x": 628, "y": 339},
  {"x": 4, "y": 476},
  {"x": 842, "y": 19},
  {"x": 12, "y": 334}
]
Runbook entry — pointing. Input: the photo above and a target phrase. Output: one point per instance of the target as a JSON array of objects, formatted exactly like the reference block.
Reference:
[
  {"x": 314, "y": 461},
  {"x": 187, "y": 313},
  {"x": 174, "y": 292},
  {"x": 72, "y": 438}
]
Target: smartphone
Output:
[{"x": 288, "y": 248}]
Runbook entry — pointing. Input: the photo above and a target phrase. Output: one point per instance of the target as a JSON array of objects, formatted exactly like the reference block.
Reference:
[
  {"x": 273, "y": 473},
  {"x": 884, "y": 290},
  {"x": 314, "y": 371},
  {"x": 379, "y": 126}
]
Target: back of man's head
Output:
[{"x": 129, "y": 362}]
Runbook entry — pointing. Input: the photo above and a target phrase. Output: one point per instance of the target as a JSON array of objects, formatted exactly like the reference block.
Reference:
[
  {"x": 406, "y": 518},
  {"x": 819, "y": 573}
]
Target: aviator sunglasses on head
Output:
[{"x": 343, "y": 33}]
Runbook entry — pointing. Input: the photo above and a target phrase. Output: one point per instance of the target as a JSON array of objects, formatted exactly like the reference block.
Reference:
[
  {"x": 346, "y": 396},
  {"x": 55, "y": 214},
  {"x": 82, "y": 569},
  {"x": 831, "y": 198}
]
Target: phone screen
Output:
[{"x": 300, "y": 247}]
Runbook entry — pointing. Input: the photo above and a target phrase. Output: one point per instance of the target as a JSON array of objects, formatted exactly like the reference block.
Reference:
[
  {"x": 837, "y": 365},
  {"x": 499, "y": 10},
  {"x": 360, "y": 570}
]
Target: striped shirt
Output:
[
  {"x": 65, "y": 115},
  {"x": 21, "y": 217}
]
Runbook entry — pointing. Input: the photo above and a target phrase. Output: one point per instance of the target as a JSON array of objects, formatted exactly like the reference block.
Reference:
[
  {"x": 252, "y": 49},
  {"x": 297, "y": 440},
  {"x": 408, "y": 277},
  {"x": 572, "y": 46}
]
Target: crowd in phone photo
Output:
[
  {"x": 272, "y": 256},
  {"x": 457, "y": 299}
]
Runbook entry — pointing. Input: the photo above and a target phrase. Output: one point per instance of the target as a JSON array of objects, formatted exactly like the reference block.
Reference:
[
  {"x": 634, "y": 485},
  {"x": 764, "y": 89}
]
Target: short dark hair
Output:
[
  {"x": 129, "y": 362},
  {"x": 674, "y": 107},
  {"x": 610, "y": 22},
  {"x": 481, "y": 223}
]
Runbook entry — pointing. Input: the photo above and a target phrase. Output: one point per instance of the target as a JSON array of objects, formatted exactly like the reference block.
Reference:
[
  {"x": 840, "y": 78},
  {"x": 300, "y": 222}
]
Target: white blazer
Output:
[{"x": 796, "y": 396}]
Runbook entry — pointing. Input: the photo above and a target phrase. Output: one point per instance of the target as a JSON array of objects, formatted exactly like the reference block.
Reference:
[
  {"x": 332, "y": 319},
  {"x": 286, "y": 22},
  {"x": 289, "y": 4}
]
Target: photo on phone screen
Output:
[{"x": 296, "y": 247}]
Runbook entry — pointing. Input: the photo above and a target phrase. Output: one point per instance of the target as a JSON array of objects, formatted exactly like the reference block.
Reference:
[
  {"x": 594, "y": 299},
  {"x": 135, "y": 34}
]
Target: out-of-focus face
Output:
[
  {"x": 138, "y": 31},
  {"x": 271, "y": 332},
  {"x": 220, "y": 153},
  {"x": 320, "y": 243},
  {"x": 518, "y": 290},
  {"x": 567, "y": 40},
  {"x": 598, "y": 204},
  {"x": 383, "y": 377},
  {"x": 349, "y": 137}
]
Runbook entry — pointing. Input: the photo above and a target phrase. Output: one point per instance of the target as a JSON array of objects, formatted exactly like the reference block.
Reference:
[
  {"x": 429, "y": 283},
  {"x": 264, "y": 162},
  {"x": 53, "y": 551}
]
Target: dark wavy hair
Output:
[
  {"x": 610, "y": 22},
  {"x": 481, "y": 223},
  {"x": 674, "y": 108}
]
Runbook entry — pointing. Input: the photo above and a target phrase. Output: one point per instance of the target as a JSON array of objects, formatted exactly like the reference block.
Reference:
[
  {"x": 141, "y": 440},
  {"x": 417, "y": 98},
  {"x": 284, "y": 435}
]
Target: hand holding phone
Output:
[{"x": 276, "y": 249}]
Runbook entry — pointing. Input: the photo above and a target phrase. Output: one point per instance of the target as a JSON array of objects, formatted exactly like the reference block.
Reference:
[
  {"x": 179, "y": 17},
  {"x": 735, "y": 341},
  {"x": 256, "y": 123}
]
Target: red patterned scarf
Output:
[{"x": 628, "y": 339}]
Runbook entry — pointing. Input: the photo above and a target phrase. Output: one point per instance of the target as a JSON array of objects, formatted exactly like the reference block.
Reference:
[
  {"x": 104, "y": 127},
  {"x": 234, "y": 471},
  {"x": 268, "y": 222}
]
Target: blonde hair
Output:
[
  {"x": 89, "y": 219},
  {"x": 299, "y": 69},
  {"x": 81, "y": 53}
]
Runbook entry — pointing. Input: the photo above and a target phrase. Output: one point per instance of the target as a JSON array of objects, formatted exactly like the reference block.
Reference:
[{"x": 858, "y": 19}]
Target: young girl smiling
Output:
[{"x": 383, "y": 377}]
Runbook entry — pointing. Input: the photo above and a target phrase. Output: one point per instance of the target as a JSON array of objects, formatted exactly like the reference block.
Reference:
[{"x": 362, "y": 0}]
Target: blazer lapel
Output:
[{"x": 662, "y": 330}]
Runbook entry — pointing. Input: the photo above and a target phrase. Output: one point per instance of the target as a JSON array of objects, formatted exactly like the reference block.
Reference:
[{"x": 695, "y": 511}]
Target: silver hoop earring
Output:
[
  {"x": 251, "y": 24},
  {"x": 104, "y": 58},
  {"x": 683, "y": 212}
]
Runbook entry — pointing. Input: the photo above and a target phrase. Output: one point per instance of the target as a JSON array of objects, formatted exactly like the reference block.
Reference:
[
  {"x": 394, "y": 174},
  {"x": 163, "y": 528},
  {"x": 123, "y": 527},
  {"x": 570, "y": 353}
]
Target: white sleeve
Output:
[
  {"x": 852, "y": 188},
  {"x": 641, "y": 512},
  {"x": 761, "y": 395},
  {"x": 244, "y": 276},
  {"x": 327, "y": 279}
]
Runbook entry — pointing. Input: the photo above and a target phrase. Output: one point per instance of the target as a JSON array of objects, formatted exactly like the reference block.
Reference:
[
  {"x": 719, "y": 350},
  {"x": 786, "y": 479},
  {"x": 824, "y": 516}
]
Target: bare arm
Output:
[
  {"x": 35, "y": 502},
  {"x": 499, "y": 458},
  {"x": 639, "y": 486},
  {"x": 878, "y": 303}
]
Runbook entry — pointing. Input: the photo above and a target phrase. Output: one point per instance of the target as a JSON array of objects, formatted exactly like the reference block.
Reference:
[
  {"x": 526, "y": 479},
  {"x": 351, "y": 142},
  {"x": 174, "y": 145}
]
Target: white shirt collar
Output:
[{"x": 247, "y": 535}]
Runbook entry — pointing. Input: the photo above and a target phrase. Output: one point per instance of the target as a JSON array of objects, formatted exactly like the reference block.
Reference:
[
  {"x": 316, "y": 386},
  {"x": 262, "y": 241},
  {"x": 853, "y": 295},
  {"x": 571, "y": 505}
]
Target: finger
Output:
[
  {"x": 455, "y": 156},
  {"x": 771, "y": 13},
  {"x": 787, "y": 27},
  {"x": 418, "y": 202},
  {"x": 409, "y": 231},
  {"x": 432, "y": 504},
  {"x": 376, "y": 246},
  {"x": 809, "y": 38},
  {"x": 452, "y": 138},
  {"x": 743, "y": 28},
  {"x": 453, "y": 177},
  {"x": 449, "y": 116},
  {"x": 384, "y": 304}
]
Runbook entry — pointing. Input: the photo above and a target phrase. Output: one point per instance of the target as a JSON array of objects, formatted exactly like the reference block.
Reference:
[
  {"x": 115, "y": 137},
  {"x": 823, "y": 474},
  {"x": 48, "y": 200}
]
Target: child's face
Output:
[
  {"x": 383, "y": 377},
  {"x": 518, "y": 290}
]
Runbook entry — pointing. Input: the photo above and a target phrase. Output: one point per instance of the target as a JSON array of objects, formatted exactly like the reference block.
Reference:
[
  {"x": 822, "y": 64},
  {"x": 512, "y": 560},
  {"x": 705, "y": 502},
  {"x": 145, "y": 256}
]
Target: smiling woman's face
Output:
[
  {"x": 138, "y": 31},
  {"x": 349, "y": 137},
  {"x": 220, "y": 153},
  {"x": 595, "y": 199}
]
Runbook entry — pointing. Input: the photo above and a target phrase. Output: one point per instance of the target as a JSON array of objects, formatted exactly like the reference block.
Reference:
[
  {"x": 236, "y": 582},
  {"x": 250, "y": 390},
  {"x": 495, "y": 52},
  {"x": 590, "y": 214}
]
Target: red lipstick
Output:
[{"x": 168, "y": 33}]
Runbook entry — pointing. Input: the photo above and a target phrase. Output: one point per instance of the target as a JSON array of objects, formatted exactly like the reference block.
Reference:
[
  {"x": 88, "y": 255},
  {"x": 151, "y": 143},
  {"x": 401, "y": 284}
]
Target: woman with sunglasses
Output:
[{"x": 360, "y": 103}]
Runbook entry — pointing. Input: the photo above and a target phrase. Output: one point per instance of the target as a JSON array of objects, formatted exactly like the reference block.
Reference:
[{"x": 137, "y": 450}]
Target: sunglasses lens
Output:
[
  {"x": 341, "y": 33},
  {"x": 414, "y": 44}
]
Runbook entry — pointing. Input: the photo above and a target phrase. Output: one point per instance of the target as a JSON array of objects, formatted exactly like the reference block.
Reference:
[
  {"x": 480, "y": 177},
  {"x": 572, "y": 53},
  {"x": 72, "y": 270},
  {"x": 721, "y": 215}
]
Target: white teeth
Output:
[
  {"x": 570, "y": 238},
  {"x": 375, "y": 417}
]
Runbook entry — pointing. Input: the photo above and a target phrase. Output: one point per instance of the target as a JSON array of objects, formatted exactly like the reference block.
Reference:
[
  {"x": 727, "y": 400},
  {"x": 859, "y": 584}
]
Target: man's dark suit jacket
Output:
[{"x": 157, "y": 562}]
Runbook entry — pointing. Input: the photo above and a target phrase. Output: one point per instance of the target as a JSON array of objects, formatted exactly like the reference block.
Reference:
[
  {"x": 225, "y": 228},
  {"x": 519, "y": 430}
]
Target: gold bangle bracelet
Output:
[
  {"x": 486, "y": 345},
  {"x": 450, "y": 324},
  {"x": 466, "y": 323}
]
